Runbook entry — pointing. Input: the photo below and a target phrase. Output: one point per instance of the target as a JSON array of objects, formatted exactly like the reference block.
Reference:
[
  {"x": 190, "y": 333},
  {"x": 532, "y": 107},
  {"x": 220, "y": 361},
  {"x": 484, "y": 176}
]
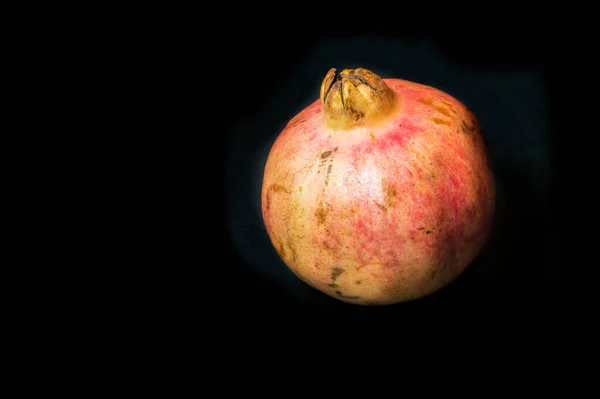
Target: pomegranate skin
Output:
[{"x": 382, "y": 213}]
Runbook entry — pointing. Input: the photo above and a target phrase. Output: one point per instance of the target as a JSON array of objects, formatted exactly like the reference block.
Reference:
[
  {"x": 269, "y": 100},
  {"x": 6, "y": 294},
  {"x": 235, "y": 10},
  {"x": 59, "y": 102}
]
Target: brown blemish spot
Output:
[
  {"x": 383, "y": 208},
  {"x": 291, "y": 243},
  {"x": 325, "y": 154},
  {"x": 430, "y": 102},
  {"x": 443, "y": 111},
  {"x": 466, "y": 128},
  {"x": 296, "y": 122},
  {"x": 321, "y": 213},
  {"x": 433, "y": 273},
  {"x": 357, "y": 114},
  {"x": 279, "y": 188},
  {"x": 268, "y": 200},
  {"x": 327, "y": 176},
  {"x": 335, "y": 149},
  {"x": 440, "y": 121},
  {"x": 281, "y": 250},
  {"x": 421, "y": 228},
  {"x": 428, "y": 232},
  {"x": 357, "y": 282},
  {"x": 275, "y": 188},
  {"x": 389, "y": 192},
  {"x": 332, "y": 285},
  {"x": 372, "y": 136},
  {"x": 340, "y": 293},
  {"x": 450, "y": 106},
  {"x": 368, "y": 264},
  {"x": 335, "y": 272}
]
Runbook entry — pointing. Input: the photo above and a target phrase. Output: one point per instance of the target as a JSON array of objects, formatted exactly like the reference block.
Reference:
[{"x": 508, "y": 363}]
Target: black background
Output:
[
  {"x": 196, "y": 85},
  {"x": 505, "y": 80}
]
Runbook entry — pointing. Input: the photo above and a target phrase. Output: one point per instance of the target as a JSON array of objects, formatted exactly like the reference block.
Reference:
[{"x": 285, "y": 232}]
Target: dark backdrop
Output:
[{"x": 505, "y": 82}]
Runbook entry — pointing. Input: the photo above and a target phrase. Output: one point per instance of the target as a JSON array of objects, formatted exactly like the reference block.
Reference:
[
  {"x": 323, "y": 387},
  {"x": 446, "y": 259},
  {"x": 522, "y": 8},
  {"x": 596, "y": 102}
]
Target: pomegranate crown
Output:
[{"x": 354, "y": 98}]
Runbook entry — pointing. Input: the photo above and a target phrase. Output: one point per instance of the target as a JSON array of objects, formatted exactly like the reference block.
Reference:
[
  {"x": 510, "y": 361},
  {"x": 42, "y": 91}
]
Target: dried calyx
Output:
[{"x": 355, "y": 97}]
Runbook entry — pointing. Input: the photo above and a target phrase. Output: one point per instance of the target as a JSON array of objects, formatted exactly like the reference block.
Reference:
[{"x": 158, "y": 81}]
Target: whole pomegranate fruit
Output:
[{"x": 380, "y": 192}]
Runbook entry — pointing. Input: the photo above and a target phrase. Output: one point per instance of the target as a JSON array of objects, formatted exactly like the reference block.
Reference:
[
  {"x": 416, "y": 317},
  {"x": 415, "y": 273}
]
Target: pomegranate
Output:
[{"x": 379, "y": 192}]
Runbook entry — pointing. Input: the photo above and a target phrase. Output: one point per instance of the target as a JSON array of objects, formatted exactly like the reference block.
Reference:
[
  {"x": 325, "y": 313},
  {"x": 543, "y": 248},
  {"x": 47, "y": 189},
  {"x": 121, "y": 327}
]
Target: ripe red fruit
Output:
[{"x": 381, "y": 191}]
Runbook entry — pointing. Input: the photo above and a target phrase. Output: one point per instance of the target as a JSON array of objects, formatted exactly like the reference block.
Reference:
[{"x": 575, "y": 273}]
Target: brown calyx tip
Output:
[{"x": 354, "y": 97}]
